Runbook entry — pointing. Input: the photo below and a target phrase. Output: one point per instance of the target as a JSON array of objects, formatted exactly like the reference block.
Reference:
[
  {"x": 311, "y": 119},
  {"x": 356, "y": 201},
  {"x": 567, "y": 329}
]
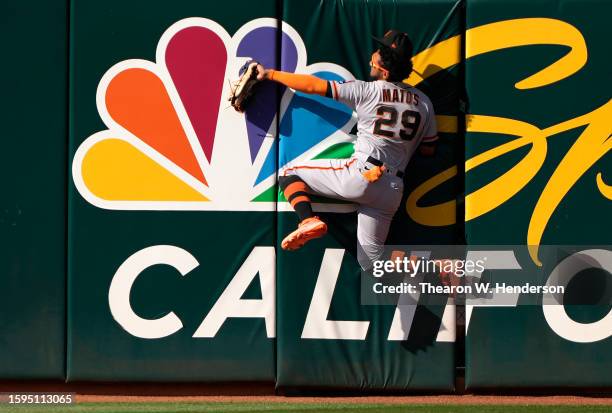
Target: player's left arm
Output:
[
  {"x": 428, "y": 148},
  {"x": 430, "y": 134}
]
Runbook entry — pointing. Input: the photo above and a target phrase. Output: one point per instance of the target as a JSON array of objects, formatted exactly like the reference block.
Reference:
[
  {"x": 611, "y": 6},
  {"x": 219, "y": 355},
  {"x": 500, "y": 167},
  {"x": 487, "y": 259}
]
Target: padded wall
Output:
[
  {"x": 552, "y": 94},
  {"x": 171, "y": 257},
  {"x": 33, "y": 197},
  {"x": 326, "y": 337}
]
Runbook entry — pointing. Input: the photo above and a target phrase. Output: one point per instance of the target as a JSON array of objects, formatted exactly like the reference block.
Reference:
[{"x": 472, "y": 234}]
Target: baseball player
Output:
[{"x": 394, "y": 119}]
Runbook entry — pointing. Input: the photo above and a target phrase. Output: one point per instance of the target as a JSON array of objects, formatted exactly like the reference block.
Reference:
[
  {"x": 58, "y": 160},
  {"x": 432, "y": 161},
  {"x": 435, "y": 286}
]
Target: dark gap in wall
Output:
[
  {"x": 278, "y": 41},
  {"x": 460, "y": 161},
  {"x": 66, "y": 182}
]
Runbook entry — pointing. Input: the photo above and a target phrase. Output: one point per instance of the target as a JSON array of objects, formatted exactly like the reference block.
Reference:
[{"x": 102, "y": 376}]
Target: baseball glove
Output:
[{"x": 245, "y": 87}]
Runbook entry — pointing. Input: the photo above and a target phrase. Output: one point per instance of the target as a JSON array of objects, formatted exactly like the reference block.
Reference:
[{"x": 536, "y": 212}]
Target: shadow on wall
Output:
[{"x": 447, "y": 93}]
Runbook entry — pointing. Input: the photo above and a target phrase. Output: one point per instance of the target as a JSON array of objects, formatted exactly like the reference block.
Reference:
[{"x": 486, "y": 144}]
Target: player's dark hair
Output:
[{"x": 399, "y": 67}]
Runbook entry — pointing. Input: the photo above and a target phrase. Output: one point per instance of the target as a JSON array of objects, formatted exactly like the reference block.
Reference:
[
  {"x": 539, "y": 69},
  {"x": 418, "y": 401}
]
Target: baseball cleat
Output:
[{"x": 308, "y": 229}]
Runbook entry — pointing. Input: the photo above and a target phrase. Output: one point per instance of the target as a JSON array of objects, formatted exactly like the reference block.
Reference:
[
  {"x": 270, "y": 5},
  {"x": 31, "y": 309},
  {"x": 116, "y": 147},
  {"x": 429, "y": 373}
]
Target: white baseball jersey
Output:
[{"x": 393, "y": 119}]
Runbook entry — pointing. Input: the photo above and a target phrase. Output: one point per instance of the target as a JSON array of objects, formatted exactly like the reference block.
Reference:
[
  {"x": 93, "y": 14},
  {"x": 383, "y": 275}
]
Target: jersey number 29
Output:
[{"x": 387, "y": 116}]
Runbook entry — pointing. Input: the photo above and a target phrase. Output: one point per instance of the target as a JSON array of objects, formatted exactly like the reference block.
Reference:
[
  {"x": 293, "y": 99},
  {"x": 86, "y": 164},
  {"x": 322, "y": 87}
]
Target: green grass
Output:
[{"x": 295, "y": 408}]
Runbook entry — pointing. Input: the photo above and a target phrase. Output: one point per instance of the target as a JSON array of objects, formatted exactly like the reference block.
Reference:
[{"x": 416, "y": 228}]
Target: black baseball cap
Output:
[{"x": 397, "y": 41}]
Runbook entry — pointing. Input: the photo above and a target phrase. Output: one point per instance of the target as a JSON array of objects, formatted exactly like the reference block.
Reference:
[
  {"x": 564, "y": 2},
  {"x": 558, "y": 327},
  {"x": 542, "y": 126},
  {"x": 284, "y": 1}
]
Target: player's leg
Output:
[
  {"x": 297, "y": 194},
  {"x": 374, "y": 219},
  {"x": 372, "y": 229},
  {"x": 326, "y": 177},
  {"x": 331, "y": 178},
  {"x": 310, "y": 227}
]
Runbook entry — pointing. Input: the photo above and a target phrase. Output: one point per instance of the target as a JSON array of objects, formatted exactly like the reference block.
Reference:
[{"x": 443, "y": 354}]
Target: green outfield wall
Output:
[
  {"x": 33, "y": 198},
  {"x": 154, "y": 253},
  {"x": 548, "y": 192},
  {"x": 111, "y": 337},
  {"x": 339, "y": 342}
]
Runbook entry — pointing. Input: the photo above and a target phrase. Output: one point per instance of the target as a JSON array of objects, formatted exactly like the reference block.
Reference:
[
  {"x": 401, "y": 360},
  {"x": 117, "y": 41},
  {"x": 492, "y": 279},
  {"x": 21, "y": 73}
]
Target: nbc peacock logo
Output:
[{"x": 171, "y": 141}]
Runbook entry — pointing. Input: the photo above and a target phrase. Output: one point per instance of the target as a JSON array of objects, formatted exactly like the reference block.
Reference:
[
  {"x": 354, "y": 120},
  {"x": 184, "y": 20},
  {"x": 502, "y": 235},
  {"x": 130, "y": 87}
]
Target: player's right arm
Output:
[
  {"x": 350, "y": 93},
  {"x": 302, "y": 83}
]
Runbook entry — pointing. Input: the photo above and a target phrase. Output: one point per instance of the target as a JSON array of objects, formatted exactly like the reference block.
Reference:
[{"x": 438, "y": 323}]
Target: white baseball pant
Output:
[{"x": 378, "y": 201}]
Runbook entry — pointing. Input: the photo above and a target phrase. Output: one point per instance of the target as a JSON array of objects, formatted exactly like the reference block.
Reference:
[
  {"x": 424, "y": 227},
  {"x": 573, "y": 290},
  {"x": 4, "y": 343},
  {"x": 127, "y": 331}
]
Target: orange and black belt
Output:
[{"x": 376, "y": 162}]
